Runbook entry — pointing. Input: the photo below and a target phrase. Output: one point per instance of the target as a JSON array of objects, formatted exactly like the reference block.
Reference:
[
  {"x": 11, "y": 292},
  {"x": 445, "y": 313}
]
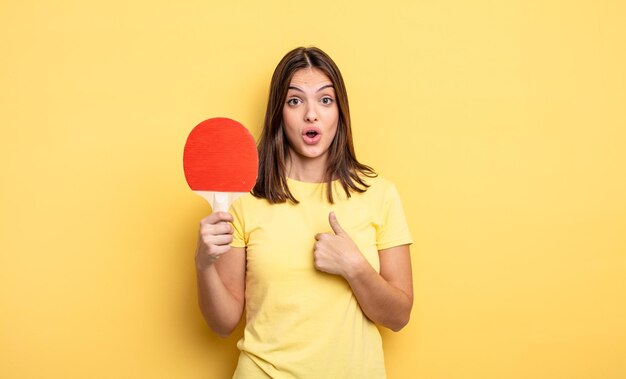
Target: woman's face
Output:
[{"x": 310, "y": 114}]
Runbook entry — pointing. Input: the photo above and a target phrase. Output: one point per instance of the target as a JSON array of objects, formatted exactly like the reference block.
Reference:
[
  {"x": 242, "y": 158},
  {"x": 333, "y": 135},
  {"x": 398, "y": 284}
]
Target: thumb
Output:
[{"x": 332, "y": 220}]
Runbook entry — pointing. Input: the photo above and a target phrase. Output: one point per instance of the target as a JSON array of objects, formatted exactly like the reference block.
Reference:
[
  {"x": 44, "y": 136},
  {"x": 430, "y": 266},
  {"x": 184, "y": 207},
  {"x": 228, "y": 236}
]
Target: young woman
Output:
[{"x": 318, "y": 253}]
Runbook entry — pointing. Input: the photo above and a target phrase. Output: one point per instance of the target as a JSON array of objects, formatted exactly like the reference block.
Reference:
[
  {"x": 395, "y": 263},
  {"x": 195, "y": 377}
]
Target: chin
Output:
[
  {"x": 309, "y": 153},
  {"x": 316, "y": 153}
]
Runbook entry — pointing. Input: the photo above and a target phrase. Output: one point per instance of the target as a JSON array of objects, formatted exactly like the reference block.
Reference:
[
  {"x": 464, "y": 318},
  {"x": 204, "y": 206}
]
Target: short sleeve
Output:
[
  {"x": 394, "y": 230},
  {"x": 239, "y": 239}
]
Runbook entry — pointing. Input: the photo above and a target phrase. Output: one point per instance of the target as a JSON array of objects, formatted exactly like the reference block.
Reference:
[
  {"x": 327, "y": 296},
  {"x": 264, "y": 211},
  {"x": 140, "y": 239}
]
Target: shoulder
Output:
[
  {"x": 379, "y": 185},
  {"x": 249, "y": 201},
  {"x": 383, "y": 192},
  {"x": 247, "y": 210},
  {"x": 378, "y": 181}
]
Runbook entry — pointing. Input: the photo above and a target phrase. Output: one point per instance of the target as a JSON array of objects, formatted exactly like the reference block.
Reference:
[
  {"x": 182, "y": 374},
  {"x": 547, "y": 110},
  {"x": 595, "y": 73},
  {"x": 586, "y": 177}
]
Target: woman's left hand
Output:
[{"x": 337, "y": 253}]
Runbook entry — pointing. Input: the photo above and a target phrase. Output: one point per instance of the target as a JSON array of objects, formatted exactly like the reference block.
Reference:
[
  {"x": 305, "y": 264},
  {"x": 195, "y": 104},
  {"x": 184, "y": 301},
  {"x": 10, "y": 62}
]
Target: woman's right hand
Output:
[{"x": 214, "y": 238}]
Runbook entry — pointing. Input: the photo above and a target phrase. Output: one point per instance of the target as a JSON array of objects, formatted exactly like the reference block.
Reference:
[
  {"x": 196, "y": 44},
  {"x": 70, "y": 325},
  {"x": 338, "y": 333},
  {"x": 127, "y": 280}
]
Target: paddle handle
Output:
[{"x": 221, "y": 202}]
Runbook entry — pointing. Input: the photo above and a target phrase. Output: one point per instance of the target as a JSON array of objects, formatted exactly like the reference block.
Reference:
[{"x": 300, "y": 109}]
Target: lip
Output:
[{"x": 311, "y": 140}]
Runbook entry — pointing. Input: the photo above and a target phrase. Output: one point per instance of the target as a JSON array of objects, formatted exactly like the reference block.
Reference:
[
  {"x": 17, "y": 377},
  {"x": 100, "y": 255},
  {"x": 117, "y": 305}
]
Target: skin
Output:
[
  {"x": 386, "y": 298},
  {"x": 310, "y": 104}
]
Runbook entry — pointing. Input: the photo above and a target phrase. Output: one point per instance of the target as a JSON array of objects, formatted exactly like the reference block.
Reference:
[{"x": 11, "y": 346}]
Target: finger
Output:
[
  {"x": 316, "y": 247},
  {"x": 221, "y": 228},
  {"x": 317, "y": 260},
  {"x": 334, "y": 224},
  {"x": 219, "y": 250},
  {"x": 225, "y": 228},
  {"x": 222, "y": 239},
  {"x": 323, "y": 236},
  {"x": 216, "y": 217}
]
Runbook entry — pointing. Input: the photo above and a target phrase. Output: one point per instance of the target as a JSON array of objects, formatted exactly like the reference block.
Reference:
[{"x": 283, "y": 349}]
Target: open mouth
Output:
[{"x": 311, "y": 136}]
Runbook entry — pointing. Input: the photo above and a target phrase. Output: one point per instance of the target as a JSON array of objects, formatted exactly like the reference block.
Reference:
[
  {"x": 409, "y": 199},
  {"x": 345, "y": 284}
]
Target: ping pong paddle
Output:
[{"x": 220, "y": 161}]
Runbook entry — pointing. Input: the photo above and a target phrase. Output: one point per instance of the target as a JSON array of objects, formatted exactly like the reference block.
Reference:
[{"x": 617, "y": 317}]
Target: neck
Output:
[{"x": 306, "y": 170}]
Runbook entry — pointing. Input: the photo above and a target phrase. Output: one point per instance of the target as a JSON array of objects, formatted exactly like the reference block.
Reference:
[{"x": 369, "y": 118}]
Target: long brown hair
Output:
[{"x": 273, "y": 146}]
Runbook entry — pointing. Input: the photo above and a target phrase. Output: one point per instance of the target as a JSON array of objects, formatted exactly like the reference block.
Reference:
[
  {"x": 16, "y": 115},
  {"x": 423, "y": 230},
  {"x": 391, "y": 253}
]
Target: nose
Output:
[{"x": 311, "y": 114}]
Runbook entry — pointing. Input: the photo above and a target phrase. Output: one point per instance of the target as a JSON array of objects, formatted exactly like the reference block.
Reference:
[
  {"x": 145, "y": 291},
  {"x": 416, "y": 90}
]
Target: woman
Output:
[{"x": 318, "y": 252}]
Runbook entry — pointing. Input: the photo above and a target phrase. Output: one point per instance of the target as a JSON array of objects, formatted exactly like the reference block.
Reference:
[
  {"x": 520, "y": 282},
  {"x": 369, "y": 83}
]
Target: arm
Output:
[
  {"x": 220, "y": 271},
  {"x": 385, "y": 298}
]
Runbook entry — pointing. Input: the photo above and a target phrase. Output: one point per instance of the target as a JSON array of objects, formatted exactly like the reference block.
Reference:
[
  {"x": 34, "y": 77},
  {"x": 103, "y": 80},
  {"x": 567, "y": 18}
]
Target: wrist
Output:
[
  {"x": 203, "y": 266},
  {"x": 357, "y": 269},
  {"x": 202, "y": 262}
]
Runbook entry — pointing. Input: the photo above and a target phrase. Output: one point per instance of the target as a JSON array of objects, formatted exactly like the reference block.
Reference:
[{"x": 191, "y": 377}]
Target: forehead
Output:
[{"x": 310, "y": 76}]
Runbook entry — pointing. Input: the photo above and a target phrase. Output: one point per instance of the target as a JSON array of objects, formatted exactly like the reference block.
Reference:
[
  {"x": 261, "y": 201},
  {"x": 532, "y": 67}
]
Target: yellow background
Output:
[{"x": 501, "y": 122}]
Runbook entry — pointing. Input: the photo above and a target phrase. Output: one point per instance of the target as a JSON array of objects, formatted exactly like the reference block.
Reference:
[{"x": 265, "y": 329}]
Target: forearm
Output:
[
  {"x": 220, "y": 272},
  {"x": 221, "y": 310},
  {"x": 381, "y": 302}
]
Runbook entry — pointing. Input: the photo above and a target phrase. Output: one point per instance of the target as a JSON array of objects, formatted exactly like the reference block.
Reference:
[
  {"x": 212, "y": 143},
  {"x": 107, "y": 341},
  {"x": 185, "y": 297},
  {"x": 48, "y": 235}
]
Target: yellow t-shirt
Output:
[{"x": 300, "y": 322}]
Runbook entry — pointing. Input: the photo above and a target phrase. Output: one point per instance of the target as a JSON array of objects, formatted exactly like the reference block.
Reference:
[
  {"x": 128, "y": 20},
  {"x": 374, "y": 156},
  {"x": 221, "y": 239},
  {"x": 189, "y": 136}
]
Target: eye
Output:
[
  {"x": 293, "y": 101},
  {"x": 327, "y": 100}
]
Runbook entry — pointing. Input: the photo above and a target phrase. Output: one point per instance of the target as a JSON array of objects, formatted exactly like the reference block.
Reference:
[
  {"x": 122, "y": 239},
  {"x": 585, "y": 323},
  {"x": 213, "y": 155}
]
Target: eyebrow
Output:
[{"x": 318, "y": 90}]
